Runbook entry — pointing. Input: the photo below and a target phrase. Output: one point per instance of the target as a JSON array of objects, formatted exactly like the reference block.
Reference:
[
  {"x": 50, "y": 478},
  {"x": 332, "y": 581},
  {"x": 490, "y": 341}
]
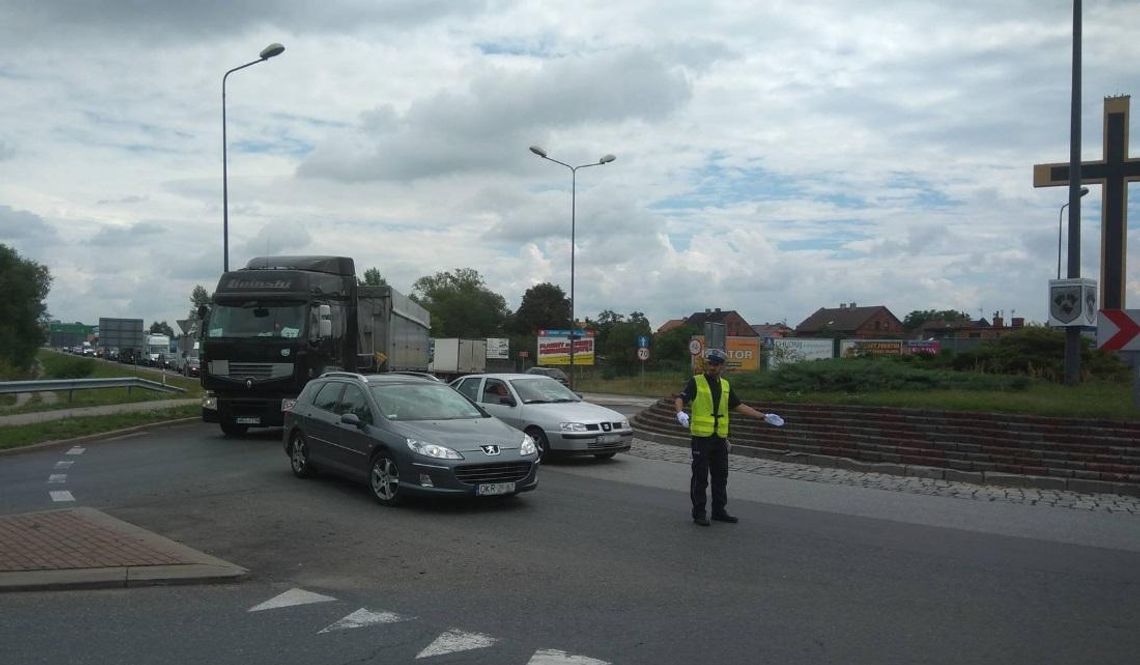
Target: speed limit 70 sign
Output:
[{"x": 643, "y": 354}]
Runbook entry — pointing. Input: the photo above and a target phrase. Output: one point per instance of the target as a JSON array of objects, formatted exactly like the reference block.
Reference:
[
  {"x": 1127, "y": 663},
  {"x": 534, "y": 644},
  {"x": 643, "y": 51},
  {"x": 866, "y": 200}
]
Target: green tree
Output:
[
  {"x": 602, "y": 326},
  {"x": 673, "y": 345},
  {"x": 915, "y": 319},
  {"x": 25, "y": 285},
  {"x": 161, "y": 328},
  {"x": 372, "y": 277},
  {"x": 200, "y": 296},
  {"x": 543, "y": 306},
  {"x": 461, "y": 305},
  {"x": 620, "y": 345}
]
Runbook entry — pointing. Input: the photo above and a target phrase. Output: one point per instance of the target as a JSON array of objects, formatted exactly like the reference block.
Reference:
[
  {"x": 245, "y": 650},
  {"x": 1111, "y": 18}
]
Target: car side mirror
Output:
[
  {"x": 509, "y": 401},
  {"x": 351, "y": 419}
]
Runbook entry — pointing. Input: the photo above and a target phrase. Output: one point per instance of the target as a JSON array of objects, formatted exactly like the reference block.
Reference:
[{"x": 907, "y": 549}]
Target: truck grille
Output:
[
  {"x": 260, "y": 370},
  {"x": 493, "y": 473}
]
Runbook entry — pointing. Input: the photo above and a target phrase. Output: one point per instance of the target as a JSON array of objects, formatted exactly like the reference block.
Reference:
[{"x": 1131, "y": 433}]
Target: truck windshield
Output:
[{"x": 257, "y": 320}]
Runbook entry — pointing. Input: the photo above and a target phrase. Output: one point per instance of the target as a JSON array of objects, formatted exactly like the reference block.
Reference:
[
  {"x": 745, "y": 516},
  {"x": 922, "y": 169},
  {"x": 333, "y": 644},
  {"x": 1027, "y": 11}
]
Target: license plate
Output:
[
  {"x": 609, "y": 438},
  {"x": 248, "y": 421},
  {"x": 492, "y": 489}
]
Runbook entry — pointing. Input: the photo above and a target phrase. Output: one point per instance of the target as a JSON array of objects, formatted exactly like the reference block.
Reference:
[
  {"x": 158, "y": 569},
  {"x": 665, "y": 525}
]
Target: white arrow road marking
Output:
[
  {"x": 363, "y": 617},
  {"x": 76, "y": 450},
  {"x": 57, "y": 478},
  {"x": 456, "y": 640},
  {"x": 290, "y": 598},
  {"x": 61, "y": 496},
  {"x": 64, "y": 465},
  {"x": 556, "y": 657}
]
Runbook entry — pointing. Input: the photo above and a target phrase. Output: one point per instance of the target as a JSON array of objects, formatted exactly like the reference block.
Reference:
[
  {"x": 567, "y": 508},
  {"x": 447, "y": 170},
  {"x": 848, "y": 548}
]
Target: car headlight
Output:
[
  {"x": 433, "y": 450},
  {"x": 528, "y": 447},
  {"x": 572, "y": 427},
  {"x": 625, "y": 424}
]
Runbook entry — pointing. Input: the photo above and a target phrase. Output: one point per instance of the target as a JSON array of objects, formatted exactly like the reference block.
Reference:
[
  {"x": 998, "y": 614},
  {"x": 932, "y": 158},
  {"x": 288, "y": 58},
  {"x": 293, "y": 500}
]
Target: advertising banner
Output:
[
  {"x": 498, "y": 348},
  {"x": 782, "y": 350},
  {"x": 849, "y": 348},
  {"x": 556, "y": 351}
]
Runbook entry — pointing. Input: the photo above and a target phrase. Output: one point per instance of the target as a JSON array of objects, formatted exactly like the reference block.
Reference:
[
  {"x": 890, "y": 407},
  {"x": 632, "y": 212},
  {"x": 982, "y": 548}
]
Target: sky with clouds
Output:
[{"x": 772, "y": 158}]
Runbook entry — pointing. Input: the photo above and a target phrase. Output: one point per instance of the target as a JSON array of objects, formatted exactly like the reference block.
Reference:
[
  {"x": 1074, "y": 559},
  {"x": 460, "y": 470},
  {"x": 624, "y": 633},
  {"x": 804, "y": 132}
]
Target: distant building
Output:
[
  {"x": 670, "y": 325},
  {"x": 734, "y": 323},
  {"x": 980, "y": 329},
  {"x": 849, "y": 320},
  {"x": 773, "y": 330}
]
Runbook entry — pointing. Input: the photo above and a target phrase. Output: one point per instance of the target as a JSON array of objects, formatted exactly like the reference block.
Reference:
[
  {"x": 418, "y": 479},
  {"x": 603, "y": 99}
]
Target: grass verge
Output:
[{"x": 18, "y": 436}]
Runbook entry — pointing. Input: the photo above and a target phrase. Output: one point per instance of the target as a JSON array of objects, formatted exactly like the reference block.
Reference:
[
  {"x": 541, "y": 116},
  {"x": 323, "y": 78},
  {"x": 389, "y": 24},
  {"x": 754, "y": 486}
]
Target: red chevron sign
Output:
[{"x": 1118, "y": 330}]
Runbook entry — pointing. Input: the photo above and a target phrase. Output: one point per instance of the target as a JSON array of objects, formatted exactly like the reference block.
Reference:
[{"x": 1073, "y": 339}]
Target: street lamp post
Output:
[
  {"x": 266, "y": 53},
  {"x": 1084, "y": 190},
  {"x": 605, "y": 159}
]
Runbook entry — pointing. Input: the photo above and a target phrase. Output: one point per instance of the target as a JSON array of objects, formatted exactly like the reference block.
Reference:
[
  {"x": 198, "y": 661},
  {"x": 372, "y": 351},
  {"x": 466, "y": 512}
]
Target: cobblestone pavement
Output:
[{"x": 1111, "y": 503}]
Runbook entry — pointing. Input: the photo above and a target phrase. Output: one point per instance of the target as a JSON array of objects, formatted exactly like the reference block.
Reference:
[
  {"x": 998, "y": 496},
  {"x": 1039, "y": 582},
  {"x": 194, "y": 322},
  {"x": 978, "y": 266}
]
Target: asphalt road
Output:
[{"x": 601, "y": 562}]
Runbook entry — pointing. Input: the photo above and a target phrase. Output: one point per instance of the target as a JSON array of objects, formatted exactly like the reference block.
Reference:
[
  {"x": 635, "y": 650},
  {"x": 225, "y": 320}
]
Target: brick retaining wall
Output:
[{"x": 1088, "y": 455}]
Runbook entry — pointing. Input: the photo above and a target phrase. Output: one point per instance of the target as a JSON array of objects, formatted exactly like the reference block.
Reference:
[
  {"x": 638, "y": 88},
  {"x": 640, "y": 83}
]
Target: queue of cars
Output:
[{"x": 404, "y": 435}]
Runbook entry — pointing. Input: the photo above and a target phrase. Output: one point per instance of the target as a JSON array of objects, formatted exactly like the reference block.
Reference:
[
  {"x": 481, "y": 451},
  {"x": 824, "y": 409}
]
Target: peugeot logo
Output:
[{"x": 490, "y": 449}]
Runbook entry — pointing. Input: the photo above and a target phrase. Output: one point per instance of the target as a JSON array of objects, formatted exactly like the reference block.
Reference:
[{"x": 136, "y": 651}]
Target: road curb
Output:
[{"x": 179, "y": 564}]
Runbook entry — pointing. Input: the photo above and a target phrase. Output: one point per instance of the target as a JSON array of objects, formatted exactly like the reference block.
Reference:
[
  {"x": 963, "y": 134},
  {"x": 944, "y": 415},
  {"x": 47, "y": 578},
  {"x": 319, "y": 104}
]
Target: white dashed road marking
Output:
[
  {"x": 364, "y": 617},
  {"x": 456, "y": 640},
  {"x": 76, "y": 450},
  {"x": 290, "y": 598},
  {"x": 61, "y": 496},
  {"x": 64, "y": 465},
  {"x": 57, "y": 478},
  {"x": 556, "y": 657}
]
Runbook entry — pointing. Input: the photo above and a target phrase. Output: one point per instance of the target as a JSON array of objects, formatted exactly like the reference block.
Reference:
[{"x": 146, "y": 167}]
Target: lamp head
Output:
[
  {"x": 1084, "y": 190},
  {"x": 270, "y": 51},
  {"x": 606, "y": 159},
  {"x": 538, "y": 151}
]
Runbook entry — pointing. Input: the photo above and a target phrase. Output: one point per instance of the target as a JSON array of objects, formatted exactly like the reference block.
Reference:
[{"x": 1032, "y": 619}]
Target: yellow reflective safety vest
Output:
[{"x": 706, "y": 421}]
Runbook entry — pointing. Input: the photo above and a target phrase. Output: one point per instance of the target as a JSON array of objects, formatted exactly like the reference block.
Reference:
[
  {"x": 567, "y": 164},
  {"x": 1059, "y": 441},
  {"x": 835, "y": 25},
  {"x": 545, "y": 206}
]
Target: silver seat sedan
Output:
[{"x": 554, "y": 416}]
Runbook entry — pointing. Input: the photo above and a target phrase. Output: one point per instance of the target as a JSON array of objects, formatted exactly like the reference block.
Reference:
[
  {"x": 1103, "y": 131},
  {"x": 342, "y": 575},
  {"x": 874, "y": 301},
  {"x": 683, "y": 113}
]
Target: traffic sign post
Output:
[
  {"x": 643, "y": 355},
  {"x": 1119, "y": 330}
]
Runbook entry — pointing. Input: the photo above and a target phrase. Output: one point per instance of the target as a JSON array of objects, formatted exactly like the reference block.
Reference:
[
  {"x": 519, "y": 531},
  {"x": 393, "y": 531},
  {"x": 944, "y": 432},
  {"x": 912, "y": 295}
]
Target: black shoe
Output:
[
  {"x": 725, "y": 517},
  {"x": 702, "y": 520}
]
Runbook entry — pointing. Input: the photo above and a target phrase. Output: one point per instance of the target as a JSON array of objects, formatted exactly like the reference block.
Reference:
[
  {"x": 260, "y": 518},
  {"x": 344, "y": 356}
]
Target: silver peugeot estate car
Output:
[{"x": 405, "y": 435}]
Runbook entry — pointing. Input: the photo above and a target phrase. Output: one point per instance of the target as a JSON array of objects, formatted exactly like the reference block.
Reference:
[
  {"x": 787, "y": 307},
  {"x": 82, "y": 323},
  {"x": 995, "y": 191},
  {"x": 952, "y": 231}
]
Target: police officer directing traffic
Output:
[{"x": 712, "y": 399}]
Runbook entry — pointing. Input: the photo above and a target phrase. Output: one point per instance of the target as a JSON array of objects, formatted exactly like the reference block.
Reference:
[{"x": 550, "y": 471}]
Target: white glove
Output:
[
  {"x": 773, "y": 419},
  {"x": 683, "y": 418}
]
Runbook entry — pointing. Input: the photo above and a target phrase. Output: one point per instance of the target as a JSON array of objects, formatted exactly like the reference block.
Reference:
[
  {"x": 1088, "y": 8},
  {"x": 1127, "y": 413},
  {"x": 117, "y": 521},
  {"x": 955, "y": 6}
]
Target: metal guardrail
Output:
[{"x": 69, "y": 385}]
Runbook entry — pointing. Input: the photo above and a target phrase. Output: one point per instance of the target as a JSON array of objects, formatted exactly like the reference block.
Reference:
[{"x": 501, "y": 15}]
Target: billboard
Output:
[
  {"x": 555, "y": 349},
  {"x": 743, "y": 354},
  {"x": 783, "y": 350},
  {"x": 498, "y": 348}
]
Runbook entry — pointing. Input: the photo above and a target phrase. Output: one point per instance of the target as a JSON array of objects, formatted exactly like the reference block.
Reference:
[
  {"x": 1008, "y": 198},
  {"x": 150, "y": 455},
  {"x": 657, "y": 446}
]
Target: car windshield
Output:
[
  {"x": 256, "y": 320},
  {"x": 541, "y": 390},
  {"x": 423, "y": 401}
]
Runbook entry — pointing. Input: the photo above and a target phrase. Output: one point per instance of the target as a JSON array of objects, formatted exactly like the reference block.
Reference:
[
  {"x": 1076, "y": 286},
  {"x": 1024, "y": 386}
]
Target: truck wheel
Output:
[
  {"x": 230, "y": 428},
  {"x": 299, "y": 456},
  {"x": 384, "y": 480}
]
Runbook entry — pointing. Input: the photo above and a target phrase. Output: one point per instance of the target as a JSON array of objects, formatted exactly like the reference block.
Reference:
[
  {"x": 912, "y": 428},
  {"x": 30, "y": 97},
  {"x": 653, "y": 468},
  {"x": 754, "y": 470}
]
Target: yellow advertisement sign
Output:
[{"x": 743, "y": 354}]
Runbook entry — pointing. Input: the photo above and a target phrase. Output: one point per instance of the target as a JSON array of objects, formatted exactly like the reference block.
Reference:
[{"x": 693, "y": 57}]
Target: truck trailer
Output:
[
  {"x": 283, "y": 320},
  {"x": 453, "y": 357}
]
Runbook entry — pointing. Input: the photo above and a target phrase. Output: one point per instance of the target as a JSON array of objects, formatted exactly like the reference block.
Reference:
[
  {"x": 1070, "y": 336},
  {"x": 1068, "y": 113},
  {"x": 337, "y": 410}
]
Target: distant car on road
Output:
[
  {"x": 553, "y": 372},
  {"x": 405, "y": 435},
  {"x": 553, "y": 415}
]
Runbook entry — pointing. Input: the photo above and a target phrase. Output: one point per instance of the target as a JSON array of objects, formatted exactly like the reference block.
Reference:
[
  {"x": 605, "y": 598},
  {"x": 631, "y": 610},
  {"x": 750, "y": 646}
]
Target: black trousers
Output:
[{"x": 710, "y": 457}]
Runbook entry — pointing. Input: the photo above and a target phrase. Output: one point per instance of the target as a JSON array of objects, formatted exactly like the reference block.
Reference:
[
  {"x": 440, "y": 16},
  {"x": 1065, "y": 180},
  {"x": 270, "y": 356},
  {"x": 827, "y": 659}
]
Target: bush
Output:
[{"x": 863, "y": 376}]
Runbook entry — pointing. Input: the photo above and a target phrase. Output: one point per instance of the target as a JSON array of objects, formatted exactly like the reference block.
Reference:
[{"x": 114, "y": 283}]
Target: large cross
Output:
[{"x": 1113, "y": 172}]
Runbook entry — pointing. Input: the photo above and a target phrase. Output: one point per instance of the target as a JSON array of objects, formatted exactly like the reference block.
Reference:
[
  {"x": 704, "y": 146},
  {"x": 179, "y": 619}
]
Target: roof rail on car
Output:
[{"x": 347, "y": 375}]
